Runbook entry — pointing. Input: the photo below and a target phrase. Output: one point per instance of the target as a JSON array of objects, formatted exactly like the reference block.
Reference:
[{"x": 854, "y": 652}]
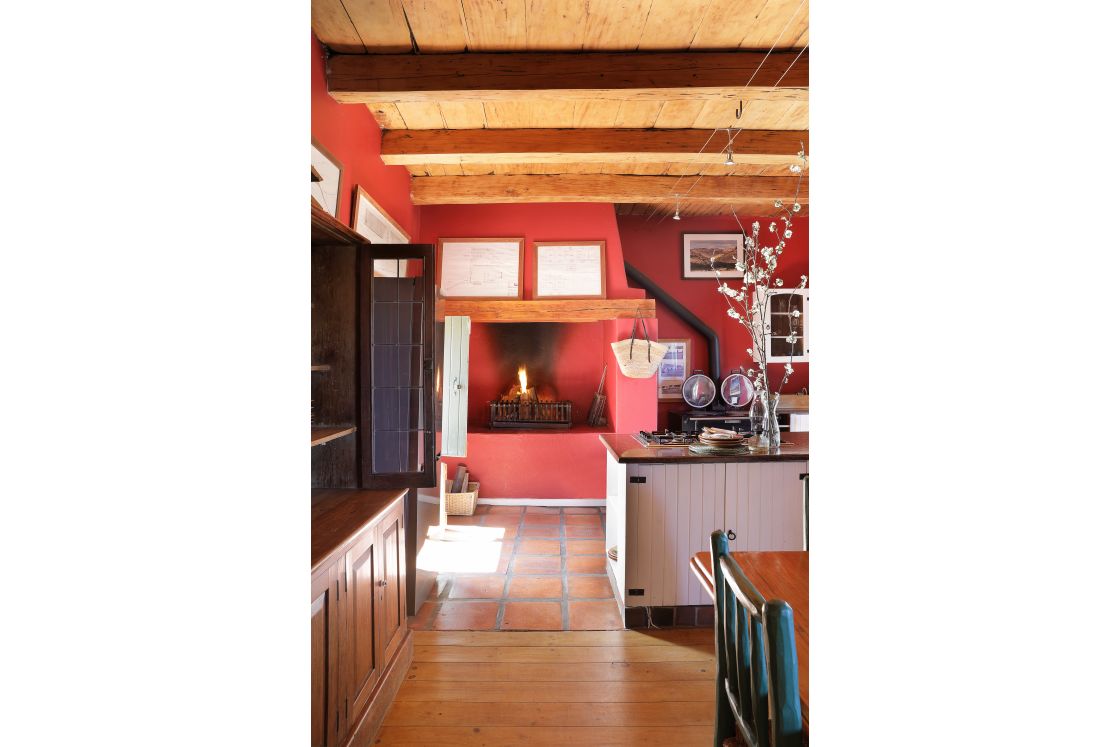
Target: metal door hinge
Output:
[
  {"x": 636, "y": 592},
  {"x": 637, "y": 479}
]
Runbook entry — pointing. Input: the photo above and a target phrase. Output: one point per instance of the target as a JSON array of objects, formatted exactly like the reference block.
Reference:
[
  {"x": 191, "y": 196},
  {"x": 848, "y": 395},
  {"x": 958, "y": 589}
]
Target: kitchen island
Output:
[{"x": 663, "y": 503}]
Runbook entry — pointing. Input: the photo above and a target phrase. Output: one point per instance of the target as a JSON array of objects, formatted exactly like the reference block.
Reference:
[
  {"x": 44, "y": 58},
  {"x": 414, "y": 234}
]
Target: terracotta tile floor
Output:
[{"x": 534, "y": 568}]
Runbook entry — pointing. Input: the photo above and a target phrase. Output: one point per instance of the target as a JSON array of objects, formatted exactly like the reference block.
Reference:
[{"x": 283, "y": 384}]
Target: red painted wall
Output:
[
  {"x": 352, "y": 135},
  {"x": 537, "y": 464},
  {"x": 655, "y": 246},
  {"x": 535, "y": 222},
  {"x": 542, "y": 464}
]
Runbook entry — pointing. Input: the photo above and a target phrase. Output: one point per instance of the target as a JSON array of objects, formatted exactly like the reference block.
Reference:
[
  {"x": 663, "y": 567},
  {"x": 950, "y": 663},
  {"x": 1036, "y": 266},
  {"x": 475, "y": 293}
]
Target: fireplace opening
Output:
[{"x": 563, "y": 364}]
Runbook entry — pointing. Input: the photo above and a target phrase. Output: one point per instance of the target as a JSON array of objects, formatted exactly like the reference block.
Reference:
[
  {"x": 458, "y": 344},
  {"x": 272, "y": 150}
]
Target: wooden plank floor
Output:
[{"x": 616, "y": 687}]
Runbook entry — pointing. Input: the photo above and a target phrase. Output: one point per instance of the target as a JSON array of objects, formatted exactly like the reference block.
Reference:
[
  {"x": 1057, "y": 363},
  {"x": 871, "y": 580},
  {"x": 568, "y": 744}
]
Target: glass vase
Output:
[{"x": 771, "y": 436}]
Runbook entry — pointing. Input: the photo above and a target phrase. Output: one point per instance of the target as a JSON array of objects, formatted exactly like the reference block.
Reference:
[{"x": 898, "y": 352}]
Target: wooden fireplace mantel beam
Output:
[{"x": 590, "y": 310}]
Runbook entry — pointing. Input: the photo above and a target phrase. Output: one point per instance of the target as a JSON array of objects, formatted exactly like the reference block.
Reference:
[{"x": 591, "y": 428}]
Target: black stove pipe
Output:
[{"x": 686, "y": 316}]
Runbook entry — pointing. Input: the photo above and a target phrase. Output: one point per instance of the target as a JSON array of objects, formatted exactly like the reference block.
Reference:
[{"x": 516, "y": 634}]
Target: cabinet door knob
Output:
[{"x": 382, "y": 582}]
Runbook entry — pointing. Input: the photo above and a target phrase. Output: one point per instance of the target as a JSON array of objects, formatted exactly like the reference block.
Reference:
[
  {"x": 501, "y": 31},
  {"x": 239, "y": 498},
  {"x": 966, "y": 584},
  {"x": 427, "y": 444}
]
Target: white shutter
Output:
[{"x": 456, "y": 346}]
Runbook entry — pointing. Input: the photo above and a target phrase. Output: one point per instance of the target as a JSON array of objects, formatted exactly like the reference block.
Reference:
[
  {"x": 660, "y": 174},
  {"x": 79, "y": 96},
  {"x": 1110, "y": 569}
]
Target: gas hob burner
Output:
[{"x": 666, "y": 438}]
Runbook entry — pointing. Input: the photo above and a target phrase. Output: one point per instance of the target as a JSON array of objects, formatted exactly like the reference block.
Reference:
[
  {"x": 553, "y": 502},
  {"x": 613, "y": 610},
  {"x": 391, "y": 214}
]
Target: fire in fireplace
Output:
[{"x": 524, "y": 406}]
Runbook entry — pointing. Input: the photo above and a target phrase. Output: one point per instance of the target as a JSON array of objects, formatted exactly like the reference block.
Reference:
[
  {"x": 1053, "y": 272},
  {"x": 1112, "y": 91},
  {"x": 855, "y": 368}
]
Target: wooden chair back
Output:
[{"x": 756, "y": 659}]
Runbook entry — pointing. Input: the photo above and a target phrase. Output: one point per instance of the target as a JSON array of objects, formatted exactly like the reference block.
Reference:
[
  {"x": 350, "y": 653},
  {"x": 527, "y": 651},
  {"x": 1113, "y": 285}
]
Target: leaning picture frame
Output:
[
  {"x": 673, "y": 369},
  {"x": 327, "y": 191},
  {"x": 709, "y": 255},
  {"x": 373, "y": 222}
]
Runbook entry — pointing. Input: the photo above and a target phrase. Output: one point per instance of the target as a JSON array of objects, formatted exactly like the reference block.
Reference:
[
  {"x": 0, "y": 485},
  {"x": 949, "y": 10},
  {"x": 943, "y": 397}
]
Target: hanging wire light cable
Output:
[{"x": 697, "y": 157}]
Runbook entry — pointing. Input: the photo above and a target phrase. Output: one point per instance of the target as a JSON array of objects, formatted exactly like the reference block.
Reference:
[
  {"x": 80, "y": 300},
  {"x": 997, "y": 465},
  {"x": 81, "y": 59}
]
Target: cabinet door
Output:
[
  {"x": 361, "y": 660},
  {"x": 392, "y": 590},
  {"x": 396, "y": 331},
  {"x": 765, "y": 506},
  {"x": 325, "y": 622}
]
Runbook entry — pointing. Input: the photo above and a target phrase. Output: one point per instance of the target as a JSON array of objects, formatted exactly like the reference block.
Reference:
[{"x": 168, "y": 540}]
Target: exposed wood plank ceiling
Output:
[{"x": 428, "y": 72}]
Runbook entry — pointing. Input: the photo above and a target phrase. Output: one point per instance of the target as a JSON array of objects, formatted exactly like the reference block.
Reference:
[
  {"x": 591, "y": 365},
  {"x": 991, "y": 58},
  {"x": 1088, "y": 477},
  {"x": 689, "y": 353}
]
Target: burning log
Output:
[{"x": 522, "y": 405}]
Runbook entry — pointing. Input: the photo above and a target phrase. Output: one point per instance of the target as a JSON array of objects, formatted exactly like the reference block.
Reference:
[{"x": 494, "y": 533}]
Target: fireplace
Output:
[{"x": 525, "y": 406}]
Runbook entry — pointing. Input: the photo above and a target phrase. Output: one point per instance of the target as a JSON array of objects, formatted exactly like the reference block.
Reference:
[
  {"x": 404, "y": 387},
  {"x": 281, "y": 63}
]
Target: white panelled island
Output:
[{"x": 663, "y": 503}]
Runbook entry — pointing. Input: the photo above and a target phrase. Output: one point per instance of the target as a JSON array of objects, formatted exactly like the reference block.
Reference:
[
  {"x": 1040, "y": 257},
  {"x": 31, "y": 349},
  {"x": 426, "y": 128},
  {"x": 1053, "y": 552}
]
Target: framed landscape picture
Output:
[
  {"x": 673, "y": 369},
  {"x": 705, "y": 253}
]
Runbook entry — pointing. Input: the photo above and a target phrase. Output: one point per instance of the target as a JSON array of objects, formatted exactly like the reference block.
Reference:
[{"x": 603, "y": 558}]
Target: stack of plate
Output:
[
  {"x": 721, "y": 438},
  {"x": 613, "y": 553},
  {"x": 720, "y": 442}
]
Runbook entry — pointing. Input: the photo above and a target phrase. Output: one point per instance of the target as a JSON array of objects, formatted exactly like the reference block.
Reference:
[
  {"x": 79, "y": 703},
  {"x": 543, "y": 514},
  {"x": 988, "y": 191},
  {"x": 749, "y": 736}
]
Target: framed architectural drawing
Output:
[
  {"x": 370, "y": 220},
  {"x": 570, "y": 269},
  {"x": 328, "y": 190},
  {"x": 480, "y": 268},
  {"x": 673, "y": 369},
  {"x": 704, "y": 253}
]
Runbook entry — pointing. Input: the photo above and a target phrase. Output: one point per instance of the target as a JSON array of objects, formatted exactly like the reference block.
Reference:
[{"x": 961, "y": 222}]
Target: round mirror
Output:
[
  {"x": 737, "y": 391},
  {"x": 698, "y": 391}
]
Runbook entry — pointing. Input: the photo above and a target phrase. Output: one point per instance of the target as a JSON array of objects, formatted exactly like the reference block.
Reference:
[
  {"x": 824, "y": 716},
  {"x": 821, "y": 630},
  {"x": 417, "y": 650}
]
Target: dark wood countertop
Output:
[
  {"x": 627, "y": 450},
  {"x": 338, "y": 516}
]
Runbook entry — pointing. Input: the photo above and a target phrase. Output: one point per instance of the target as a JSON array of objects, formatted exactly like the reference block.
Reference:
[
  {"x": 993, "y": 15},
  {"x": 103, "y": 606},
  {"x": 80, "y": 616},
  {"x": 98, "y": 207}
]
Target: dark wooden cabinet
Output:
[
  {"x": 373, "y": 397},
  {"x": 362, "y": 659},
  {"x": 360, "y": 642},
  {"x": 325, "y": 620},
  {"x": 393, "y": 622}
]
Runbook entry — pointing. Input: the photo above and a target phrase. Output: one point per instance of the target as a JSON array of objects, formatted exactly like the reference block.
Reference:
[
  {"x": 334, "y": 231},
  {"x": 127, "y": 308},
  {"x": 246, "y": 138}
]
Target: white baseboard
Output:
[{"x": 433, "y": 497}]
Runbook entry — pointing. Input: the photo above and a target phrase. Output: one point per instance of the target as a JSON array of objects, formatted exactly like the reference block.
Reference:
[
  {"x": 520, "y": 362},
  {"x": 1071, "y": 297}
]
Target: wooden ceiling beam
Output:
[
  {"x": 602, "y": 145},
  {"x": 663, "y": 76},
  {"x": 758, "y": 191}
]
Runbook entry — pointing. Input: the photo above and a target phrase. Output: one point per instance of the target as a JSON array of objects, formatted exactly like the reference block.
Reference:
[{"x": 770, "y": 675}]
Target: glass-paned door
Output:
[{"x": 397, "y": 330}]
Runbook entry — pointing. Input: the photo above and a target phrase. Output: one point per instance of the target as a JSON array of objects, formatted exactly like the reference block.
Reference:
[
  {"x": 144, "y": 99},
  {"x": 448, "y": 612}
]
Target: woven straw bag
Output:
[{"x": 638, "y": 359}]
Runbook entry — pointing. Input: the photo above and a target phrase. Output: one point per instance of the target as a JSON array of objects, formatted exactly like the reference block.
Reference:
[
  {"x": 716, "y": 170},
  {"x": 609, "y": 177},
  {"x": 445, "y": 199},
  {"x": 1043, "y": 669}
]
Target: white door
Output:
[{"x": 456, "y": 347}]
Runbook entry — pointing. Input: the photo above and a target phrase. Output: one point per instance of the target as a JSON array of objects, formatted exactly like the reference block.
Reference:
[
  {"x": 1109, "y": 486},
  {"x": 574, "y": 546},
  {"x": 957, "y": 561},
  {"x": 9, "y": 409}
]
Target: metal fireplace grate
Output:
[{"x": 514, "y": 414}]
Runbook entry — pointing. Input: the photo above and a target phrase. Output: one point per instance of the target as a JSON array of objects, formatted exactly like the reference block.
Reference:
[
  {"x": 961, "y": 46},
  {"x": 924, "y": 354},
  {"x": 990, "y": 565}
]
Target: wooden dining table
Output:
[{"x": 776, "y": 575}]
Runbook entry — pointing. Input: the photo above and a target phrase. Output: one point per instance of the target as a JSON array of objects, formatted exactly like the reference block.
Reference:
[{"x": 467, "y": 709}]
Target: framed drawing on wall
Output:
[
  {"x": 370, "y": 220},
  {"x": 480, "y": 268},
  {"x": 705, "y": 253},
  {"x": 673, "y": 369},
  {"x": 570, "y": 269},
  {"x": 328, "y": 190}
]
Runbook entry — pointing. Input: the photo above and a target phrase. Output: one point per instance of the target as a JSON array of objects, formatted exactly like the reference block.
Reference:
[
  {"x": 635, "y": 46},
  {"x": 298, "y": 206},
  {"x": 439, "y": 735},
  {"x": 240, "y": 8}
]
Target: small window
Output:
[{"x": 787, "y": 317}]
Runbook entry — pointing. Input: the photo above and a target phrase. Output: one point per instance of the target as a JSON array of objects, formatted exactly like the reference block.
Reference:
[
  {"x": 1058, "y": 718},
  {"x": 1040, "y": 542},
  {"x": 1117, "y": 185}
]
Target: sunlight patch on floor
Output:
[{"x": 461, "y": 549}]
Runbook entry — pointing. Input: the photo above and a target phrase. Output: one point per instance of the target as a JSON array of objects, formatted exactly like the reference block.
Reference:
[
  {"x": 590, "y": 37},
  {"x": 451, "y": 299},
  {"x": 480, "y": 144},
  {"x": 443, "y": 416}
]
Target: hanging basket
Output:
[{"x": 638, "y": 359}]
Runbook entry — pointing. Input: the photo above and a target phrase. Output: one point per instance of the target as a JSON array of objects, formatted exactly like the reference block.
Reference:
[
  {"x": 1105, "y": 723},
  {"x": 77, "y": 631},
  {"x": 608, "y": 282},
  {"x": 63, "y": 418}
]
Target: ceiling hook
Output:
[{"x": 739, "y": 111}]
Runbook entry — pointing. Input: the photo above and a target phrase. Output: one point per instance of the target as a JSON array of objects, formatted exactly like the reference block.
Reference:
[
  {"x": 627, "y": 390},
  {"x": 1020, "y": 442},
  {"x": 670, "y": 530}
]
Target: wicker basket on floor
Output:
[{"x": 461, "y": 504}]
